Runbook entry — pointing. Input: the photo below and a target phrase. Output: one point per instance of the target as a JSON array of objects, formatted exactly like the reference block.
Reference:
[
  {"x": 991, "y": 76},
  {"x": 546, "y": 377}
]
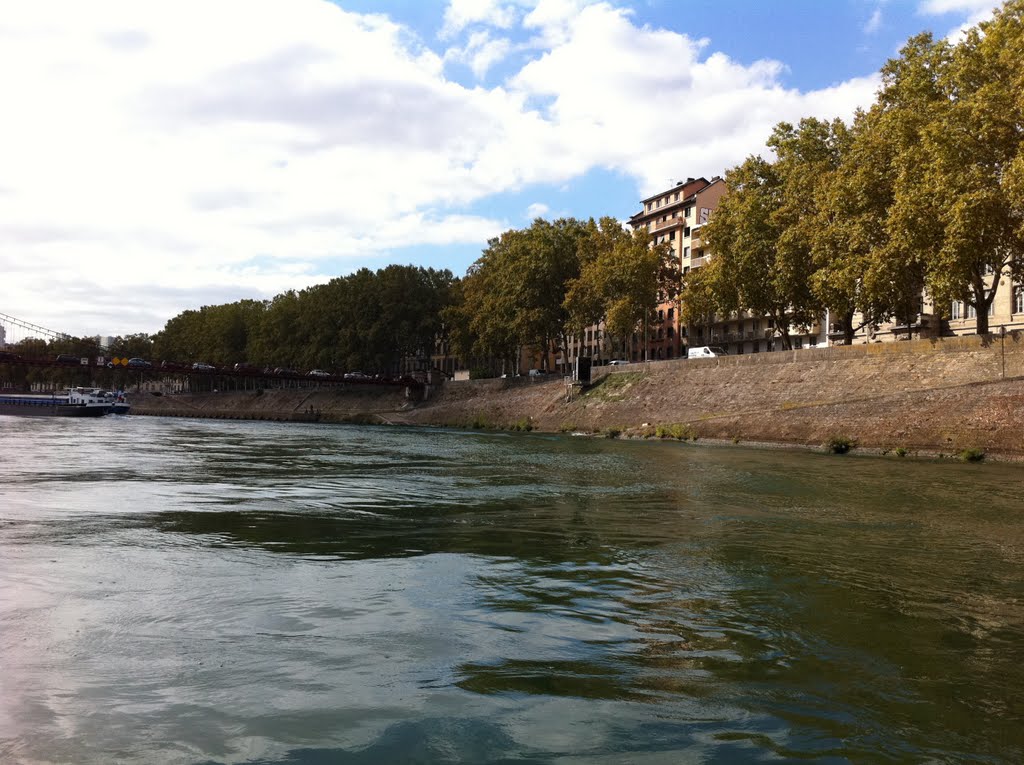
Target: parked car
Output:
[
  {"x": 202, "y": 366},
  {"x": 8, "y": 356},
  {"x": 137, "y": 363},
  {"x": 617, "y": 362},
  {"x": 705, "y": 352},
  {"x": 173, "y": 366},
  {"x": 318, "y": 373},
  {"x": 68, "y": 358},
  {"x": 243, "y": 367},
  {"x": 357, "y": 376},
  {"x": 284, "y": 371}
]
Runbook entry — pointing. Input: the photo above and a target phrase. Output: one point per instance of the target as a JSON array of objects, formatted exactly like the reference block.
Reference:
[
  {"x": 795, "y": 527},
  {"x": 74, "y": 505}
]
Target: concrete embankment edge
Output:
[{"x": 931, "y": 396}]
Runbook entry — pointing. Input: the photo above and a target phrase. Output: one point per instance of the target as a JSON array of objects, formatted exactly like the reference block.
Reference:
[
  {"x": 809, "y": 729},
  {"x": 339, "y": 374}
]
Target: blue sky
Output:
[{"x": 204, "y": 152}]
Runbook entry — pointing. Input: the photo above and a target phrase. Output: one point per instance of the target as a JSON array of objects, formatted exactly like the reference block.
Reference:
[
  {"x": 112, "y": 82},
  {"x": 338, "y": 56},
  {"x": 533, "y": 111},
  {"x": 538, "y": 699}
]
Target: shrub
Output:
[
  {"x": 567, "y": 427},
  {"x": 899, "y": 451},
  {"x": 479, "y": 422},
  {"x": 972, "y": 455},
  {"x": 840, "y": 444},
  {"x": 523, "y": 425},
  {"x": 612, "y": 432},
  {"x": 678, "y": 431}
]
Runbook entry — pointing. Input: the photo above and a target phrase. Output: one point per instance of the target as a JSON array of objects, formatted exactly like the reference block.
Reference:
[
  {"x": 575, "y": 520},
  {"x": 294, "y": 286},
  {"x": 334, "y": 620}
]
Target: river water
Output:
[{"x": 197, "y": 591}]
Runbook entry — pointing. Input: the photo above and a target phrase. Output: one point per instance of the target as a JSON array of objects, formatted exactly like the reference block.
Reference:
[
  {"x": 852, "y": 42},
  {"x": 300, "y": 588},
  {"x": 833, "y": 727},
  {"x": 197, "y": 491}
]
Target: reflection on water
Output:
[{"x": 177, "y": 591}]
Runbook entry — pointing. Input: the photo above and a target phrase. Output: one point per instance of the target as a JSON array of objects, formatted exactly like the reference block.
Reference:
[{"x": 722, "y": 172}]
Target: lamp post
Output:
[{"x": 1002, "y": 350}]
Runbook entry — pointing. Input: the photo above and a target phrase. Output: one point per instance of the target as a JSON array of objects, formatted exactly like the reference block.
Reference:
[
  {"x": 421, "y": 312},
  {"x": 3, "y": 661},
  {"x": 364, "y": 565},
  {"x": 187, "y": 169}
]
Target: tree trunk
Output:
[
  {"x": 983, "y": 300},
  {"x": 848, "y": 328}
]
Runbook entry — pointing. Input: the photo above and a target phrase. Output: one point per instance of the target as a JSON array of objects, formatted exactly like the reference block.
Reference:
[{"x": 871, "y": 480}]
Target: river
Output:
[{"x": 200, "y": 591}]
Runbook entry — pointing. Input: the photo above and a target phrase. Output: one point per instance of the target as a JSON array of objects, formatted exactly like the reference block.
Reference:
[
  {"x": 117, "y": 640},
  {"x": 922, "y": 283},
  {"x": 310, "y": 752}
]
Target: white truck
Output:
[{"x": 705, "y": 352}]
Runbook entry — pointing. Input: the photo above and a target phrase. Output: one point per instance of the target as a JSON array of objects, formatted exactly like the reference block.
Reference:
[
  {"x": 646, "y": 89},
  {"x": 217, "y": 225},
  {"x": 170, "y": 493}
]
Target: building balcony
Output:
[{"x": 662, "y": 225}]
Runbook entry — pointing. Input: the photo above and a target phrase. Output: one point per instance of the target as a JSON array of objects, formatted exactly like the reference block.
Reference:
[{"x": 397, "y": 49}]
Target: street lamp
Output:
[{"x": 1002, "y": 350}]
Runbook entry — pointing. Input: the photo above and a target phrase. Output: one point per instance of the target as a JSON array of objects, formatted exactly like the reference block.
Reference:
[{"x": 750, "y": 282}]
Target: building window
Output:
[
  {"x": 677, "y": 196},
  {"x": 1018, "y": 299},
  {"x": 671, "y": 236},
  {"x": 972, "y": 312},
  {"x": 661, "y": 315},
  {"x": 686, "y": 252},
  {"x": 671, "y": 313},
  {"x": 687, "y": 211},
  {"x": 956, "y": 310},
  {"x": 671, "y": 333},
  {"x": 686, "y": 231},
  {"x": 686, "y": 270}
]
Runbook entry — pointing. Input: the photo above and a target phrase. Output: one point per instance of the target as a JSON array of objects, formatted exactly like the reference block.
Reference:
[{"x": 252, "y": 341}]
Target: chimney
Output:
[
  {"x": 715, "y": 178},
  {"x": 689, "y": 180}
]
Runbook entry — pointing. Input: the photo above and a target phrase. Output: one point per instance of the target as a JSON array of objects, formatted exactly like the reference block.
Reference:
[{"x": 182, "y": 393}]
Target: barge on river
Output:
[{"x": 76, "y": 402}]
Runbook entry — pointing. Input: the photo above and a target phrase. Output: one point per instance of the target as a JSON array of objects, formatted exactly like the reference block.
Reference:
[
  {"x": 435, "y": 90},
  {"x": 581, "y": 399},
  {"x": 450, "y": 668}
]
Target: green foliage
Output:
[
  {"x": 621, "y": 281},
  {"x": 972, "y": 455},
  {"x": 513, "y": 295},
  {"x": 900, "y": 451},
  {"x": 524, "y": 425},
  {"x": 840, "y": 444},
  {"x": 678, "y": 431},
  {"x": 567, "y": 427},
  {"x": 612, "y": 387},
  {"x": 480, "y": 422},
  {"x": 612, "y": 432},
  {"x": 367, "y": 321}
]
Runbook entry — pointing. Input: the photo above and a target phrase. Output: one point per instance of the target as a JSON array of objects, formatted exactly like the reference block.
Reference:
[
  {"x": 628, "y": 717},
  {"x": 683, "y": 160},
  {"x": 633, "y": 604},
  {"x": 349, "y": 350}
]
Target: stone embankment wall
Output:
[
  {"x": 351, "y": 404},
  {"x": 929, "y": 395}
]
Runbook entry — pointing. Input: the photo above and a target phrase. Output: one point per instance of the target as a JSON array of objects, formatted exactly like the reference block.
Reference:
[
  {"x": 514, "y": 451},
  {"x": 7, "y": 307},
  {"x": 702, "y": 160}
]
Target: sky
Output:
[{"x": 156, "y": 157}]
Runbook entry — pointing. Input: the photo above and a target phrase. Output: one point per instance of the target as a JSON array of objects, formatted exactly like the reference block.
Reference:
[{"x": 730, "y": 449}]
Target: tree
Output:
[
  {"x": 972, "y": 141},
  {"x": 753, "y": 272},
  {"x": 622, "y": 280},
  {"x": 517, "y": 289}
]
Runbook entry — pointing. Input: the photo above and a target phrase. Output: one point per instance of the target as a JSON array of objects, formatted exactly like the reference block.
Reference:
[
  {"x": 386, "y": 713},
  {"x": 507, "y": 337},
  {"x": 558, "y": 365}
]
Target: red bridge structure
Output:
[{"x": 25, "y": 365}]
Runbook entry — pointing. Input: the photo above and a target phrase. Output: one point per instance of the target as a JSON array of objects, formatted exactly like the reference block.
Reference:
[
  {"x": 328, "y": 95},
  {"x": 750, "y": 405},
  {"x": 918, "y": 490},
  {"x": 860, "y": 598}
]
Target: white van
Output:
[{"x": 705, "y": 352}]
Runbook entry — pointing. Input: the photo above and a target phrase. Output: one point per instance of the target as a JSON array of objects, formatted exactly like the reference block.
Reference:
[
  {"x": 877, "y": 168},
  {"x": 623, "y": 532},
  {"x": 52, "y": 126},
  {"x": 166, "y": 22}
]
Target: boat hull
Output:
[{"x": 46, "y": 408}]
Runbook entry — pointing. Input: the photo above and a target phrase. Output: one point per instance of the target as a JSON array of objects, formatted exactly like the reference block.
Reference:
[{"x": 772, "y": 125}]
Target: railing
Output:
[{"x": 660, "y": 225}]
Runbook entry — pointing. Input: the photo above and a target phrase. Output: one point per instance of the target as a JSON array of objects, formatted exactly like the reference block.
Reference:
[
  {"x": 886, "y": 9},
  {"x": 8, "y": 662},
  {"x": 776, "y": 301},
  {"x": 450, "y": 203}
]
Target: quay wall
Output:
[{"x": 940, "y": 395}]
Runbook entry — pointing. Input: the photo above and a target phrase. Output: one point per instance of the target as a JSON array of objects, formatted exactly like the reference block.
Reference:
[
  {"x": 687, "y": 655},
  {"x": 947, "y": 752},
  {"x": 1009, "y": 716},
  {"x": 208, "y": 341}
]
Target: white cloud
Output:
[
  {"x": 537, "y": 210},
  {"x": 936, "y": 7},
  {"x": 463, "y": 13},
  {"x": 976, "y": 12},
  {"x": 649, "y": 102},
  {"x": 874, "y": 23},
  {"x": 156, "y": 156},
  {"x": 481, "y": 52}
]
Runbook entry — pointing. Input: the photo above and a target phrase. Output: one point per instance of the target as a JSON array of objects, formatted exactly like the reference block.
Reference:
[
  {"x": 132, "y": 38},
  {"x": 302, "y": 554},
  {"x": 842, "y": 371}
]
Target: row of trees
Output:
[
  {"x": 924, "y": 192},
  {"x": 530, "y": 287},
  {"x": 368, "y": 320}
]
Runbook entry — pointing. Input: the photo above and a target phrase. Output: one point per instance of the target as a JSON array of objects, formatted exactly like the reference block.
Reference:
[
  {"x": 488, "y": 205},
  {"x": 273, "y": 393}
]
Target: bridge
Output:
[{"x": 24, "y": 364}]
